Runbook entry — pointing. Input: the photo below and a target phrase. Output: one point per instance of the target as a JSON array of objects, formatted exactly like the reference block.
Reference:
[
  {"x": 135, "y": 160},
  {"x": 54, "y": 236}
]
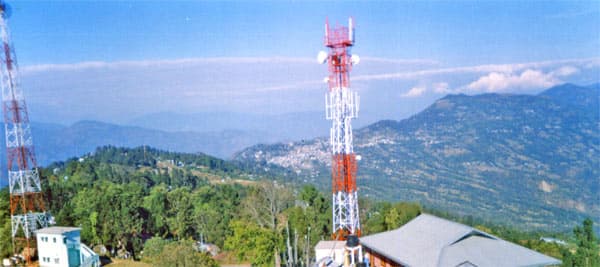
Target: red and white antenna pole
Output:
[
  {"x": 27, "y": 210},
  {"x": 341, "y": 105}
]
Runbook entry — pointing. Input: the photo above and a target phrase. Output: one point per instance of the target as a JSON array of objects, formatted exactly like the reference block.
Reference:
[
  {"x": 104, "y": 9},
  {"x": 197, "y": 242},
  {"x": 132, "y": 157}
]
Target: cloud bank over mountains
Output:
[{"x": 390, "y": 88}]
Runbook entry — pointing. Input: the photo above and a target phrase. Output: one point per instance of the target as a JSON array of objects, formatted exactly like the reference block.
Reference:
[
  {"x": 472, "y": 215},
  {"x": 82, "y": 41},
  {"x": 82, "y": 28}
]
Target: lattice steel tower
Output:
[
  {"x": 341, "y": 105},
  {"x": 27, "y": 210}
]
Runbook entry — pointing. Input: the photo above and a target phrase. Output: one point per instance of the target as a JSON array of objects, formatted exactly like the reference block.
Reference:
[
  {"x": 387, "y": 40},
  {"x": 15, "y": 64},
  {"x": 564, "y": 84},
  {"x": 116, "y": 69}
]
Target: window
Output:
[
  {"x": 56, "y": 260},
  {"x": 54, "y": 239}
]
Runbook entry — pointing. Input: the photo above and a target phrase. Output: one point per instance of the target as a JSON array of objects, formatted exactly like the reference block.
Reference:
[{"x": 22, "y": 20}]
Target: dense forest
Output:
[{"x": 155, "y": 206}]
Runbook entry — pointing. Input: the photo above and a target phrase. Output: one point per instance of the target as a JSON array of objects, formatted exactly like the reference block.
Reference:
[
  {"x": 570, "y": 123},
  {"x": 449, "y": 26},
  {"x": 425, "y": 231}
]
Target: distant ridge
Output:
[{"x": 55, "y": 142}]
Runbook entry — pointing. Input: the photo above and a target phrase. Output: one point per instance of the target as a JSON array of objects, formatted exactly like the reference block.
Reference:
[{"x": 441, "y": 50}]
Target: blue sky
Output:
[
  {"x": 115, "y": 60},
  {"x": 454, "y": 32}
]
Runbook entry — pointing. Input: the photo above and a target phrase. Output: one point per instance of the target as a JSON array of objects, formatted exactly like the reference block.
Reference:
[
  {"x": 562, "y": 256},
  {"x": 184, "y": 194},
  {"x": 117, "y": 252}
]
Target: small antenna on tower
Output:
[
  {"x": 326, "y": 30},
  {"x": 351, "y": 30}
]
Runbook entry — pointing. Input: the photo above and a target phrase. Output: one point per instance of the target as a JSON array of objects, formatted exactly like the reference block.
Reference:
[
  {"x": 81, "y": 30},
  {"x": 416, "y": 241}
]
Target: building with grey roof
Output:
[{"x": 429, "y": 241}]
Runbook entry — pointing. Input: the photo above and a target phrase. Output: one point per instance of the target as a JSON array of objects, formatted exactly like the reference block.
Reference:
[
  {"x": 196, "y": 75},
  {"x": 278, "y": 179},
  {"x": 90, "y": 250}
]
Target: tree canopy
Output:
[{"x": 156, "y": 204}]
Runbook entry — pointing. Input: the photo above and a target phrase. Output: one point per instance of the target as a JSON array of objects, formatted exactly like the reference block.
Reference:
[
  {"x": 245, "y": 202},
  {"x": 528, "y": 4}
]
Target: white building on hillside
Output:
[{"x": 62, "y": 247}]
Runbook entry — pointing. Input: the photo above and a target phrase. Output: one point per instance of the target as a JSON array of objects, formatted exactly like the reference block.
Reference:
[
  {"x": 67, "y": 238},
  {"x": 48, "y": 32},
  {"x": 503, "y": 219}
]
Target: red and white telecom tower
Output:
[
  {"x": 27, "y": 210},
  {"x": 341, "y": 105}
]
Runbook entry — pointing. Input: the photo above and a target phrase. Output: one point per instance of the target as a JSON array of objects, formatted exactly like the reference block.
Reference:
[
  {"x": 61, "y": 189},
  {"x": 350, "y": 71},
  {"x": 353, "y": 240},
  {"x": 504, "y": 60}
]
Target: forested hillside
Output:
[
  {"x": 159, "y": 202},
  {"x": 526, "y": 160}
]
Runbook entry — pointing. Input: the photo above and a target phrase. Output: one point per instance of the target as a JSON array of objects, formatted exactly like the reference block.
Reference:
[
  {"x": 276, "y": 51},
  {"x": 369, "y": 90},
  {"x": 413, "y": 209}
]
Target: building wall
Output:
[
  {"x": 378, "y": 260},
  {"x": 53, "y": 248}
]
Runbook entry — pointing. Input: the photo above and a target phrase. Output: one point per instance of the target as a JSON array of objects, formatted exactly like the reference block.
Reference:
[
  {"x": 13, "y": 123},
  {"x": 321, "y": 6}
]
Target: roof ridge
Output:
[
  {"x": 446, "y": 220},
  {"x": 470, "y": 231}
]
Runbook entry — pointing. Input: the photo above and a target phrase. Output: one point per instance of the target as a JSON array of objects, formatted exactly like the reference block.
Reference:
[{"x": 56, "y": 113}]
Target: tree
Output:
[
  {"x": 309, "y": 194},
  {"x": 182, "y": 253},
  {"x": 586, "y": 252},
  {"x": 392, "y": 219},
  {"x": 153, "y": 248},
  {"x": 253, "y": 243},
  {"x": 312, "y": 221},
  {"x": 5, "y": 227},
  {"x": 117, "y": 213},
  {"x": 215, "y": 207},
  {"x": 265, "y": 203},
  {"x": 181, "y": 208},
  {"x": 156, "y": 203},
  {"x": 386, "y": 216},
  {"x": 5, "y": 238}
]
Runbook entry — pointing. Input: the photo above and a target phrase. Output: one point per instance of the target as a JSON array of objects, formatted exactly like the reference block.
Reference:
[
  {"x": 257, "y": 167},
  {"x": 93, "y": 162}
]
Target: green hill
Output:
[{"x": 144, "y": 199}]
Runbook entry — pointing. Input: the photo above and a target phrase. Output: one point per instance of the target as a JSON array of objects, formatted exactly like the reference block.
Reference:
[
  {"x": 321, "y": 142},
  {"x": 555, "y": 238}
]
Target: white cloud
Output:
[
  {"x": 417, "y": 61},
  {"x": 441, "y": 88},
  {"x": 488, "y": 68},
  {"x": 415, "y": 91},
  {"x": 161, "y": 63},
  {"x": 586, "y": 63},
  {"x": 527, "y": 80},
  {"x": 260, "y": 84},
  {"x": 296, "y": 86},
  {"x": 565, "y": 71},
  {"x": 501, "y": 82},
  {"x": 592, "y": 64},
  {"x": 438, "y": 88},
  {"x": 199, "y": 61}
]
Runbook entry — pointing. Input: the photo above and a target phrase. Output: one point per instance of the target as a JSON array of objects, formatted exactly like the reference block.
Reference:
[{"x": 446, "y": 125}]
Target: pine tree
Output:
[{"x": 587, "y": 252}]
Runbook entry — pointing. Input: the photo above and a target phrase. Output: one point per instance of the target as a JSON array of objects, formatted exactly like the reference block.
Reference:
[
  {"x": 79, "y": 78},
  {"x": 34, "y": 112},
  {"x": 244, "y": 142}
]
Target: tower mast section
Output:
[
  {"x": 27, "y": 210},
  {"x": 341, "y": 105}
]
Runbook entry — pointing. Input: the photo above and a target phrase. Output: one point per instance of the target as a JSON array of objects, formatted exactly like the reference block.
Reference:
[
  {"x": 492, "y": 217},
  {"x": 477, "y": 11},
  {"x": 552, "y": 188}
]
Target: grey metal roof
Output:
[
  {"x": 57, "y": 230},
  {"x": 481, "y": 251},
  {"x": 429, "y": 241}
]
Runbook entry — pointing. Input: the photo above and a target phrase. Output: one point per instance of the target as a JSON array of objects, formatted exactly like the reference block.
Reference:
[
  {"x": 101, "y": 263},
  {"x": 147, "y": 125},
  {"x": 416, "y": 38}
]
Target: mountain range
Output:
[
  {"x": 271, "y": 128},
  {"x": 531, "y": 160},
  {"x": 219, "y": 134},
  {"x": 54, "y": 142}
]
